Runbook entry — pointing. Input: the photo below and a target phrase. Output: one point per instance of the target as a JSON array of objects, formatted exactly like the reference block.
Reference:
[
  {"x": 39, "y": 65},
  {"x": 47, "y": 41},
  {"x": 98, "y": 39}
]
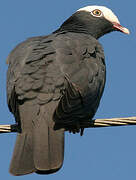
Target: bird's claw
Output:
[{"x": 76, "y": 129}]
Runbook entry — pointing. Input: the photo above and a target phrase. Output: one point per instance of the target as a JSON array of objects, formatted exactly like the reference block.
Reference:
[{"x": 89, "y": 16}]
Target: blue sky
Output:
[{"x": 104, "y": 153}]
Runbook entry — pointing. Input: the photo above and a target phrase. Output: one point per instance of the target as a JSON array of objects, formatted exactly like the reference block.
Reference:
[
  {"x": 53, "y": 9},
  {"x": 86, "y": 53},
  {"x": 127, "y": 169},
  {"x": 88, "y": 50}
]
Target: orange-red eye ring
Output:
[{"x": 96, "y": 13}]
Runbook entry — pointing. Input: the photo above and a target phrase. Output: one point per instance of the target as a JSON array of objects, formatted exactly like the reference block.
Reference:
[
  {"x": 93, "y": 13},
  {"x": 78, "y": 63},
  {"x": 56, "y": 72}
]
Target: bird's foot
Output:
[{"x": 75, "y": 128}]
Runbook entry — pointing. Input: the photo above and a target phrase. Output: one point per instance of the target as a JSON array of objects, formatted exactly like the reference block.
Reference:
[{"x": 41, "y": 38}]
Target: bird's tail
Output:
[{"x": 38, "y": 147}]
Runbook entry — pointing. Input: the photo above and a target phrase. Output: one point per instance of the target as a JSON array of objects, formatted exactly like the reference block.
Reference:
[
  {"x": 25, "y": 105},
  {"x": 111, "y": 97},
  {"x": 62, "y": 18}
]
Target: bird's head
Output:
[
  {"x": 95, "y": 20},
  {"x": 103, "y": 19}
]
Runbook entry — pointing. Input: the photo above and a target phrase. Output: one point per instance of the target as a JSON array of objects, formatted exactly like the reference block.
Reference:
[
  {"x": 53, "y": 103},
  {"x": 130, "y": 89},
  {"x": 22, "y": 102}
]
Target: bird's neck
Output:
[{"x": 73, "y": 24}]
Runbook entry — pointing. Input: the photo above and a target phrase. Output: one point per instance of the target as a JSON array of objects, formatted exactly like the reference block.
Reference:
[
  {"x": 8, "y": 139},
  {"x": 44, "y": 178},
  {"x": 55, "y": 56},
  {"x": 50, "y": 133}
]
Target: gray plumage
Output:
[{"x": 53, "y": 83}]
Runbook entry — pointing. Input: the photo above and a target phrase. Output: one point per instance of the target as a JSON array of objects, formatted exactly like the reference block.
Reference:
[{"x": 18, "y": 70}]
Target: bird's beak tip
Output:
[{"x": 126, "y": 31}]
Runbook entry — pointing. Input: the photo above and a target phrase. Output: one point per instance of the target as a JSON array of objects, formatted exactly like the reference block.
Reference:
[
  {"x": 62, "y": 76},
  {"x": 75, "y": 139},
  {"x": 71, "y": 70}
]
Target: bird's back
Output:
[{"x": 53, "y": 82}]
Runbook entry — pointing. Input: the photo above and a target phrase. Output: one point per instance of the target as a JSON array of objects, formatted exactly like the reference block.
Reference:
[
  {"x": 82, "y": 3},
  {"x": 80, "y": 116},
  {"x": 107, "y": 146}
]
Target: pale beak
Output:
[{"x": 120, "y": 28}]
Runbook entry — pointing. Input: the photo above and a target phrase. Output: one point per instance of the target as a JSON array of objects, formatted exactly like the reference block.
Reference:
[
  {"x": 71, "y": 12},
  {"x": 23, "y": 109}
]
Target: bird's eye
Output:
[{"x": 97, "y": 13}]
